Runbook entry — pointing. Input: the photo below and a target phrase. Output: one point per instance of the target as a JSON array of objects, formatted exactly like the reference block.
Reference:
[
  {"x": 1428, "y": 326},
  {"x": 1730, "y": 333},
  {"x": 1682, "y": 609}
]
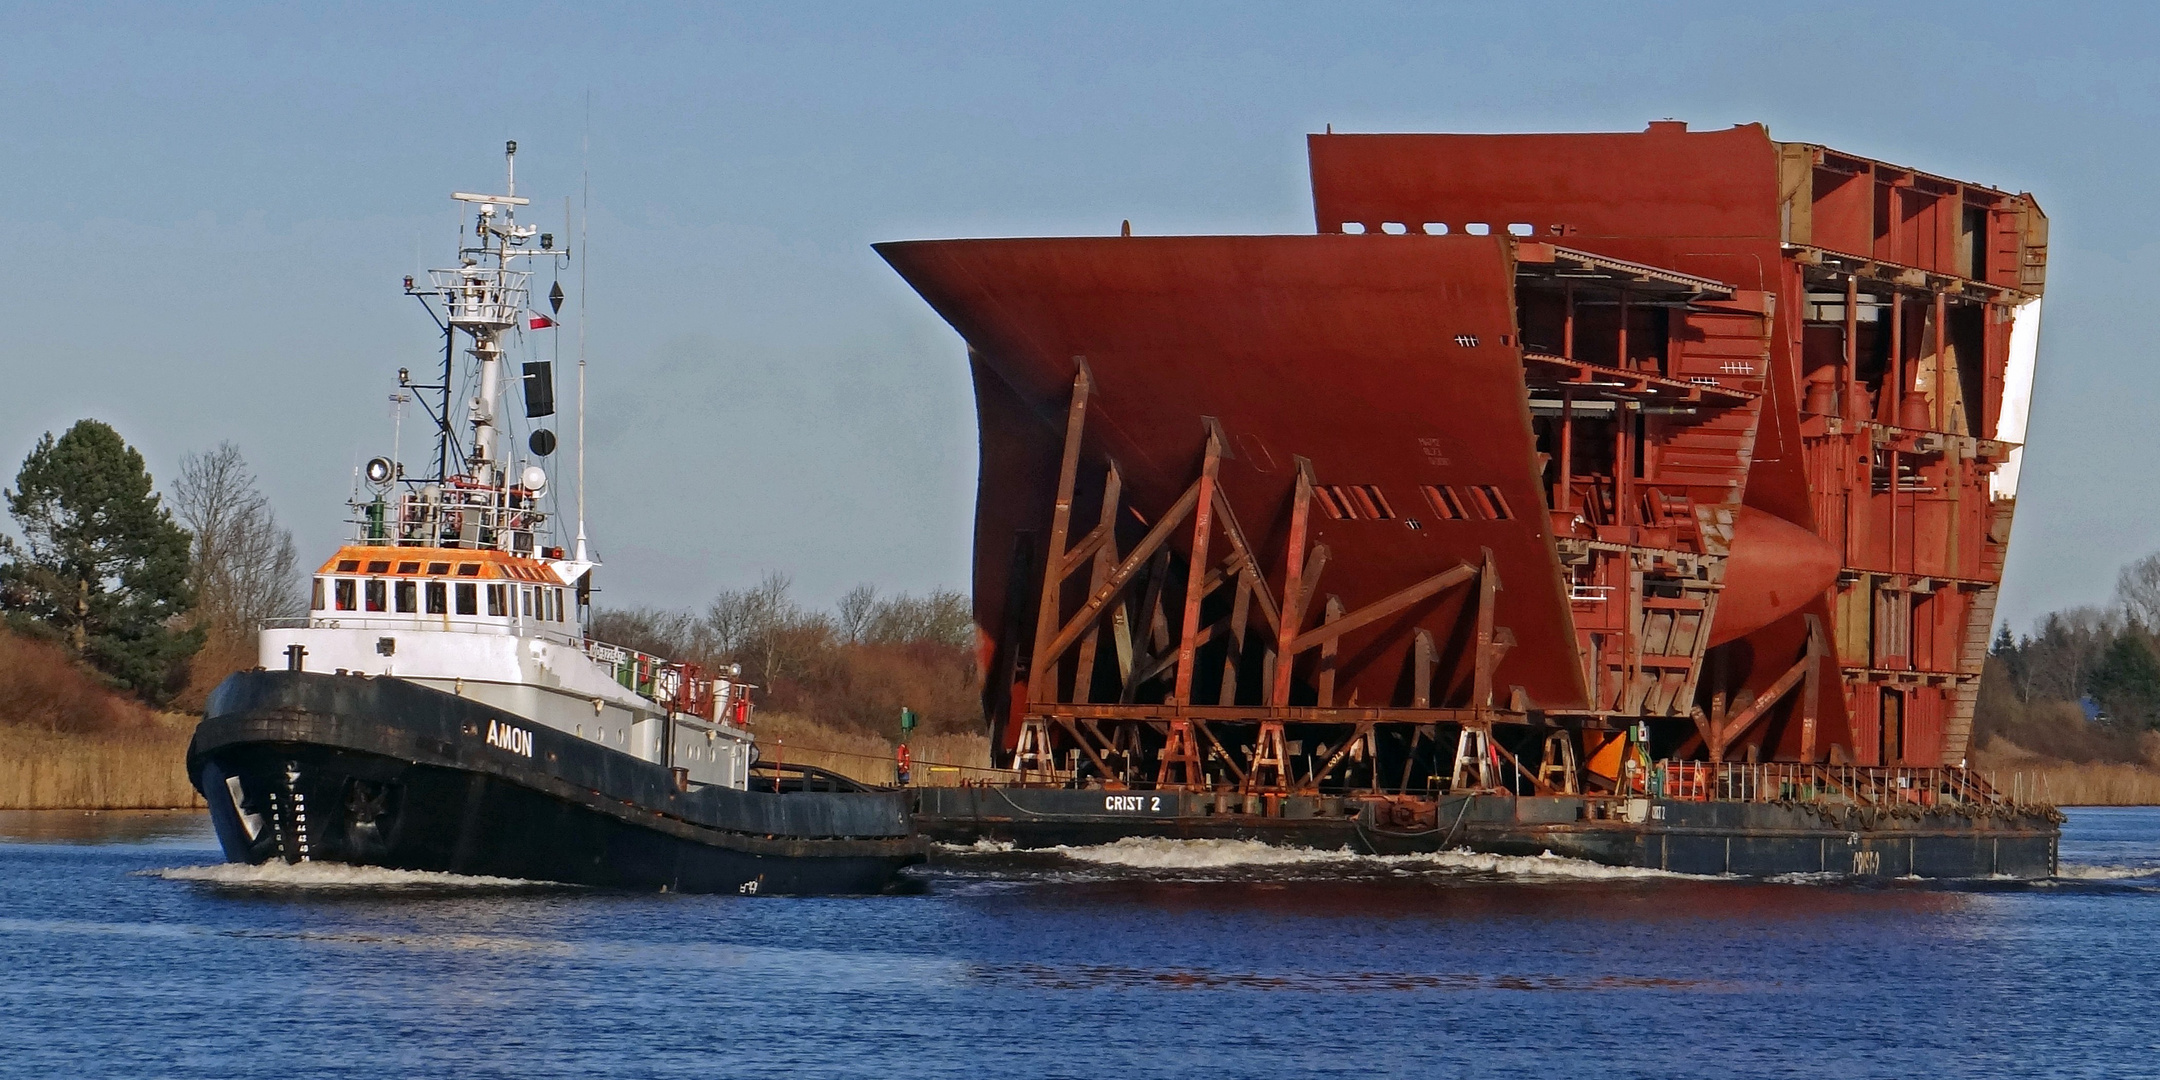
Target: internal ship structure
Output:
[{"x": 1545, "y": 457}]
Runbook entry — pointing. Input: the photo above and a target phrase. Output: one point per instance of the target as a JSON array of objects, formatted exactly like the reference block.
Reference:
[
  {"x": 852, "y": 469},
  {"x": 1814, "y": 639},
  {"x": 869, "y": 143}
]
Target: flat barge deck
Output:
[{"x": 1859, "y": 823}]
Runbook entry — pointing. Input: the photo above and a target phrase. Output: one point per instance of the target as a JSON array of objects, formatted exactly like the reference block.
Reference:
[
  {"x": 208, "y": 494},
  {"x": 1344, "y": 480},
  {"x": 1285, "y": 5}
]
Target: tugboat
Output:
[{"x": 443, "y": 707}]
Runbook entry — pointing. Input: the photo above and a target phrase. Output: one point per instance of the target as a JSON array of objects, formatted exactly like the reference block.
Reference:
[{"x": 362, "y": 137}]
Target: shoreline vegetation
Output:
[
  {"x": 2073, "y": 783},
  {"x": 143, "y": 768},
  {"x": 138, "y": 769}
]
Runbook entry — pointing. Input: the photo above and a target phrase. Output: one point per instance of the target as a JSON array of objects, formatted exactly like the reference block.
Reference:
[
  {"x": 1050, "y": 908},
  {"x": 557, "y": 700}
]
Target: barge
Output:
[{"x": 1761, "y": 821}]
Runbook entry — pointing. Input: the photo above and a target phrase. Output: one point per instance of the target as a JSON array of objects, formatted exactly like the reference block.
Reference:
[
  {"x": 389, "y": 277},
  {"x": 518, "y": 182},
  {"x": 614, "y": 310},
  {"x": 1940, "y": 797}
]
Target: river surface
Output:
[{"x": 126, "y": 951}]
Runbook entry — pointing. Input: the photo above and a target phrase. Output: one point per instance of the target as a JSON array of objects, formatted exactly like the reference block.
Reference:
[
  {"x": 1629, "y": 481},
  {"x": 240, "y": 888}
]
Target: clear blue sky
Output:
[{"x": 205, "y": 212}]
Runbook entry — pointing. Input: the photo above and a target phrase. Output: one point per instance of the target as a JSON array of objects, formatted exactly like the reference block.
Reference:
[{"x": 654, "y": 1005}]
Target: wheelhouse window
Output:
[
  {"x": 408, "y": 597},
  {"x": 378, "y": 595},
  {"x": 318, "y": 602},
  {"x": 498, "y": 599},
  {"x": 347, "y": 592},
  {"x": 438, "y": 598},
  {"x": 468, "y": 598},
  {"x": 525, "y": 604}
]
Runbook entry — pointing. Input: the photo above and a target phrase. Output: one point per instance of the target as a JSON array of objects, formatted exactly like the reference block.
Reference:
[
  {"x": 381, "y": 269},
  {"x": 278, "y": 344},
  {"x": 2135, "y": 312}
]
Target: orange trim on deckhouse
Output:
[{"x": 480, "y": 565}]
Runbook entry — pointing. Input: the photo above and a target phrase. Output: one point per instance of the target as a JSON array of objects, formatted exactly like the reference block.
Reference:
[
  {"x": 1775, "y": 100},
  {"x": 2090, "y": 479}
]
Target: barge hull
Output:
[
  {"x": 1680, "y": 836},
  {"x": 383, "y": 772}
]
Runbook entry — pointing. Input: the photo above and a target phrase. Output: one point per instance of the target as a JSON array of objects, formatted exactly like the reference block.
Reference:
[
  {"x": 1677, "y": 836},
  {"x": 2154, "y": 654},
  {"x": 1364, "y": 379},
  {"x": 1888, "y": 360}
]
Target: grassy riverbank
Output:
[
  {"x": 69, "y": 742},
  {"x": 140, "y": 768},
  {"x": 2072, "y": 783},
  {"x": 940, "y": 760}
]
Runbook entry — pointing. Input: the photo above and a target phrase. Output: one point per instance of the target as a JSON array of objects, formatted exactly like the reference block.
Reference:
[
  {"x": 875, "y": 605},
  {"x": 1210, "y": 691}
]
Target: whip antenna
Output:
[{"x": 584, "y": 222}]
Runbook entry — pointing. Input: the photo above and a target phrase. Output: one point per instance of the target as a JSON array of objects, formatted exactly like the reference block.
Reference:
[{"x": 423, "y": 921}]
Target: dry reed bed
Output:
[
  {"x": 940, "y": 760},
  {"x": 145, "y": 768},
  {"x": 2088, "y": 784},
  {"x": 142, "y": 768},
  {"x": 2068, "y": 783}
]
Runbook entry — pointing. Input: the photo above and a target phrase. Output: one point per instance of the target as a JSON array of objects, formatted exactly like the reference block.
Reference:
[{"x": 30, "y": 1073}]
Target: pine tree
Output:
[
  {"x": 2126, "y": 681},
  {"x": 101, "y": 566}
]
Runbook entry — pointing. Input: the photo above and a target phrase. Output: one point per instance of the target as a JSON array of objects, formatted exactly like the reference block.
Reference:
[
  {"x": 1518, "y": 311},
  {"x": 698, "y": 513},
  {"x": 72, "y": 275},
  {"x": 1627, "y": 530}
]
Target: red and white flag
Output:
[{"x": 539, "y": 322}]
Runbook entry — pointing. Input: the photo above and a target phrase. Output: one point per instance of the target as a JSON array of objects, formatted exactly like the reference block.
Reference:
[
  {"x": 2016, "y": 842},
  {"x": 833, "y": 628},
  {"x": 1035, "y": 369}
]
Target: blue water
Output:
[{"x": 1139, "y": 961}]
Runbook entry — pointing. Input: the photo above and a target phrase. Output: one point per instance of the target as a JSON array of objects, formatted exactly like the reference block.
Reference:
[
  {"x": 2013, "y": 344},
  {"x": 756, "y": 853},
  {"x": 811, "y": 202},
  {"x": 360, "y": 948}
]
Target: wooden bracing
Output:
[
  {"x": 1719, "y": 731},
  {"x": 1145, "y": 612}
]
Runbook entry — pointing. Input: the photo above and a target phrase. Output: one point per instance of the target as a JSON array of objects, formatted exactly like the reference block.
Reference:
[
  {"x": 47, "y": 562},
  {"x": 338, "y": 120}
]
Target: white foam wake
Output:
[
  {"x": 2105, "y": 872},
  {"x": 1158, "y": 853},
  {"x": 329, "y": 875}
]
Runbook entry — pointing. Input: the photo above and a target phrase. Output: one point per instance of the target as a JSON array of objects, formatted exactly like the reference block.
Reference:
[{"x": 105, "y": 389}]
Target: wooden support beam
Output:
[
  {"x": 1151, "y": 613},
  {"x": 1227, "y": 676},
  {"x": 1293, "y": 610},
  {"x": 1155, "y": 666},
  {"x": 1123, "y": 575},
  {"x": 1315, "y": 564},
  {"x": 1419, "y": 735},
  {"x": 1084, "y": 550},
  {"x": 1042, "y": 673},
  {"x": 1380, "y": 609},
  {"x": 1537, "y": 786},
  {"x": 1481, "y": 679},
  {"x": 1181, "y": 752},
  {"x": 1293, "y": 714},
  {"x": 1110, "y": 779},
  {"x": 1221, "y": 751},
  {"x": 1235, "y": 534},
  {"x": 1333, "y": 614},
  {"x": 1723, "y": 734},
  {"x": 1422, "y": 658},
  {"x": 1105, "y": 560},
  {"x": 1196, "y": 564},
  {"x": 1361, "y": 732}
]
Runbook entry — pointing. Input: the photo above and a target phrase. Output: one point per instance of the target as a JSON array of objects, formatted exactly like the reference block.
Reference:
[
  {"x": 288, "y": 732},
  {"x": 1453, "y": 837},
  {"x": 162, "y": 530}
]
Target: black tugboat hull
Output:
[{"x": 382, "y": 772}]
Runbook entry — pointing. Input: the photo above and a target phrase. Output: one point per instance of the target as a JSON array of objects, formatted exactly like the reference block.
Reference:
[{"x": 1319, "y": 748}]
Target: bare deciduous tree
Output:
[
  {"x": 2137, "y": 588},
  {"x": 856, "y": 609},
  {"x": 765, "y": 630},
  {"x": 672, "y": 635},
  {"x": 940, "y": 616},
  {"x": 243, "y": 563}
]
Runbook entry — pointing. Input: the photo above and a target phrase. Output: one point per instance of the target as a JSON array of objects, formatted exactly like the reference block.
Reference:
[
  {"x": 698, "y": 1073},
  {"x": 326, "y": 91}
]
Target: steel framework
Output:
[{"x": 1548, "y": 454}]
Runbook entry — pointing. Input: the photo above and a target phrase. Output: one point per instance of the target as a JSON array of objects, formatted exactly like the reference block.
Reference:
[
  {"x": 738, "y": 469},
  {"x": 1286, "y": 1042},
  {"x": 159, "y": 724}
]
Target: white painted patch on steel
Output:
[{"x": 2017, "y": 395}]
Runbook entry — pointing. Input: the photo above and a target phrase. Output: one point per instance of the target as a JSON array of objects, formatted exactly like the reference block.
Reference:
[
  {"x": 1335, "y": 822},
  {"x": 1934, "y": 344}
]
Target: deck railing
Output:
[{"x": 1858, "y": 784}]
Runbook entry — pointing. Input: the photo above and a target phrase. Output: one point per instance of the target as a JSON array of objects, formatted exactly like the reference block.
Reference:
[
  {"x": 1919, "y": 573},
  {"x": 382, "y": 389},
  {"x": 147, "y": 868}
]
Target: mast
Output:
[{"x": 485, "y": 502}]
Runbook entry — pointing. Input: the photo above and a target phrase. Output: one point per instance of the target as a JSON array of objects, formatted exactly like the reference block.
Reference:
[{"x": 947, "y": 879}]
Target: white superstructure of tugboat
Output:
[{"x": 442, "y": 705}]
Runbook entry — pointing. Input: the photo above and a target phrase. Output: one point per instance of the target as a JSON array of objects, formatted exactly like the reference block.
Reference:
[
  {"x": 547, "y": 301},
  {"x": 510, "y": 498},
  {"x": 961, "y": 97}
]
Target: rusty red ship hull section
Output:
[{"x": 1540, "y": 439}]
